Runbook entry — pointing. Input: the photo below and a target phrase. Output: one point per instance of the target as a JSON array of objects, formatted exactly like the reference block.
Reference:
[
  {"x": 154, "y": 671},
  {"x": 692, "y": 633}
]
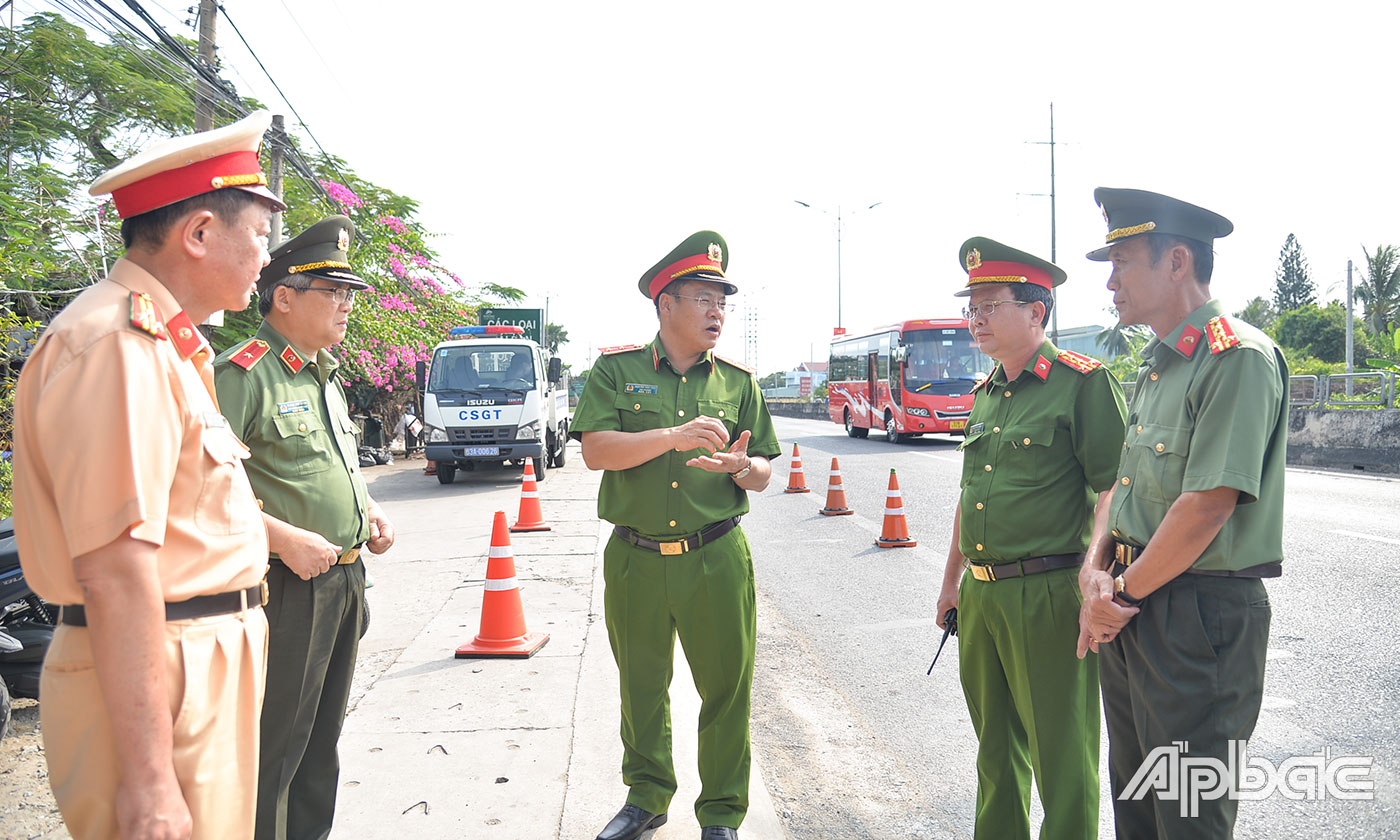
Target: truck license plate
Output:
[
  {"x": 954, "y": 425},
  {"x": 482, "y": 450}
]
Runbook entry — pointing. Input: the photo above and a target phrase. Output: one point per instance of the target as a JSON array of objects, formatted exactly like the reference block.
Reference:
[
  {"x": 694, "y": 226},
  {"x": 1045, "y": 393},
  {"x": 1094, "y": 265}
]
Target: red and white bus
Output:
[{"x": 908, "y": 379}]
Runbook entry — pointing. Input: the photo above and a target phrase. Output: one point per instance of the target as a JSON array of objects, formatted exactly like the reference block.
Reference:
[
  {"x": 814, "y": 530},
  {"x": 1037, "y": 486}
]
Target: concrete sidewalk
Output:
[{"x": 510, "y": 749}]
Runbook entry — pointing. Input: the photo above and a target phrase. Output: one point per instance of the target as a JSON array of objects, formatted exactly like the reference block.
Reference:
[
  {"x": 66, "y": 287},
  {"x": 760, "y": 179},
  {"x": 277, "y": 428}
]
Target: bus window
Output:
[{"x": 942, "y": 362}]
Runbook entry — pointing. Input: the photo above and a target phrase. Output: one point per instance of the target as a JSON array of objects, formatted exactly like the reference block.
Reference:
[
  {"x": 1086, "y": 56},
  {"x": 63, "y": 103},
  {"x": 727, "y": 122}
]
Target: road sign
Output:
[{"x": 532, "y": 320}]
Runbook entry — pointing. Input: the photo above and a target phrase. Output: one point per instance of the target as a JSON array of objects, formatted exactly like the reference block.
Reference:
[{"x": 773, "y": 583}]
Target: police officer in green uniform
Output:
[
  {"x": 1041, "y": 451},
  {"x": 283, "y": 398},
  {"x": 1174, "y": 600},
  {"x": 683, "y": 436}
]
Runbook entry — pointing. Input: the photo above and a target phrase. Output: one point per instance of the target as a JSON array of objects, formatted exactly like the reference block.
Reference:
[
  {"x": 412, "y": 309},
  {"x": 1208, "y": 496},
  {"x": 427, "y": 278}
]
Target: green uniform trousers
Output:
[
  {"x": 1189, "y": 667},
  {"x": 1034, "y": 705},
  {"x": 706, "y": 597},
  {"x": 313, "y": 636}
]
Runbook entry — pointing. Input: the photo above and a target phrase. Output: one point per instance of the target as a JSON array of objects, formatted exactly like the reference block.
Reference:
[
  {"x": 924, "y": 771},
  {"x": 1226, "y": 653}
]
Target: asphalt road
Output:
[{"x": 858, "y": 743}]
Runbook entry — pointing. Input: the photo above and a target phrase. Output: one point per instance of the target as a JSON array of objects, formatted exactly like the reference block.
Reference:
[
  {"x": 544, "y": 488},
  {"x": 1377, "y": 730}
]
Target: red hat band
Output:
[
  {"x": 236, "y": 169},
  {"x": 680, "y": 268},
  {"x": 992, "y": 271}
]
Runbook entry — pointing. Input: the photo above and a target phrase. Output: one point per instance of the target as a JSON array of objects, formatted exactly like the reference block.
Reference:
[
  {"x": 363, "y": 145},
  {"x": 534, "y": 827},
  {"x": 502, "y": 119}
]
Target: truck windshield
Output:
[{"x": 482, "y": 369}]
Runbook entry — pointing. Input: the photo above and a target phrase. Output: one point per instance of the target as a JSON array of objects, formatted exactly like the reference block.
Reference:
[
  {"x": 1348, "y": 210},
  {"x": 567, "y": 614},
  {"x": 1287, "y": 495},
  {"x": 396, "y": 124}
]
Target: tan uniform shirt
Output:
[{"x": 115, "y": 429}]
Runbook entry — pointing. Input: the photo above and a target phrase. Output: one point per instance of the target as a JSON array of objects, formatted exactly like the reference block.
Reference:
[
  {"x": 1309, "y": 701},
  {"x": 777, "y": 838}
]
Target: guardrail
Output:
[{"x": 1372, "y": 389}]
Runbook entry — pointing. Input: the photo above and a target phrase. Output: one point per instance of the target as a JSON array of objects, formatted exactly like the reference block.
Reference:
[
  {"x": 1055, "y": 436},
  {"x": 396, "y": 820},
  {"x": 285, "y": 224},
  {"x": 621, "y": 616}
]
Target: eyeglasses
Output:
[
  {"x": 339, "y": 294},
  {"x": 710, "y": 303},
  {"x": 987, "y": 308}
]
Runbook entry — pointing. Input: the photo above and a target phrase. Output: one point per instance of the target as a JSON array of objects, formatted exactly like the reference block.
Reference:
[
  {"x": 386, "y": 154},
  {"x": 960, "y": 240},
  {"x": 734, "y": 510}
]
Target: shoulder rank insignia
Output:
[
  {"x": 1189, "y": 341},
  {"x": 1041, "y": 367},
  {"x": 250, "y": 353},
  {"x": 1221, "y": 336},
  {"x": 290, "y": 358},
  {"x": 1078, "y": 361},
  {"x": 734, "y": 364},
  {"x": 144, "y": 316},
  {"x": 183, "y": 334},
  {"x": 621, "y": 348}
]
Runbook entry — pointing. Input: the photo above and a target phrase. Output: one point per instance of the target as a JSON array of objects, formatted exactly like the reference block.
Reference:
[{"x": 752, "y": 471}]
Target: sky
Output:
[{"x": 565, "y": 147}]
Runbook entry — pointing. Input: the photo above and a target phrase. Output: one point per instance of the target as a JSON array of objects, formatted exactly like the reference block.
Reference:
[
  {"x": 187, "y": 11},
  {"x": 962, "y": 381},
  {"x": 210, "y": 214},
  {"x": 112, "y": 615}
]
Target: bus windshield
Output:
[
  {"x": 482, "y": 368},
  {"x": 940, "y": 358}
]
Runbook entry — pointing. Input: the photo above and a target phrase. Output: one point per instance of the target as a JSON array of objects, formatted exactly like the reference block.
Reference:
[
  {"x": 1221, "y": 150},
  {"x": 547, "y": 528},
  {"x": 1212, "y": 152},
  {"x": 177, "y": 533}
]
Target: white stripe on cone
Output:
[
  {"x": 500, "y": 584},
  {"x": 889, "y": 511},
  {"x": 499, "y": 551},
  {"x": 841, "y": 487},
  {"x": 529, "y": 494}
]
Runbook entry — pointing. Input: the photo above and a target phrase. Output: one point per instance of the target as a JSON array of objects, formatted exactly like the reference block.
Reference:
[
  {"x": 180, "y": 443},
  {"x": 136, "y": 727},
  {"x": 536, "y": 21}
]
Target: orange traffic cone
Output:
[
  {"x": 797, "y": 482},
  {"x": 835, "y": 494},
  {"x": 896, "y": 530},
  {"x": 530, "y": 519},
  {"x": 503, "y": 632}
]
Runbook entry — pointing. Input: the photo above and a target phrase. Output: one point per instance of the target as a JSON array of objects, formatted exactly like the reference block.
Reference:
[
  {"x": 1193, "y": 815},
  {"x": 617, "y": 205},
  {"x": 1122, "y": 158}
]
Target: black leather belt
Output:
[
  {"x": 1029, "y": 566},
  {"x": 199, "y": 606},
  {"x": 1124, "y": 555},
  {"x": 690, "y": 543},
  {"x": 345, "y": 558}
]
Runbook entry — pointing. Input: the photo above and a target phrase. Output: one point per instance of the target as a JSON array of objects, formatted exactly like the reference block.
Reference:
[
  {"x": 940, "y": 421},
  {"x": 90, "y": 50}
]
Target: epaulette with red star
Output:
[
  {"x": 621, "y": 348},
  {"x": 1221, "y": 336},
  {"x": 1079, "y": 361},
  {"x": 250, "y": 353},
  {"x": 734, "y": 364},
  {"x": 144, "y": 316}
]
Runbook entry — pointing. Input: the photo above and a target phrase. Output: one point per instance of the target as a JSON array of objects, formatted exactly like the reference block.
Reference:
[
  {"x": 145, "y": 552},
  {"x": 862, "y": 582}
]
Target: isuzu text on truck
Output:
[{"x": 491, "y": 396}]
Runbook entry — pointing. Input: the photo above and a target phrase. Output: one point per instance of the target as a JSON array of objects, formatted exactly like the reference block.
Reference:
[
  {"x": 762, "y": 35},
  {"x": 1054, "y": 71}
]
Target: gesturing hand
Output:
[
  {"x": 729, "y": 461},
  {"x": 703, "y": 432}
]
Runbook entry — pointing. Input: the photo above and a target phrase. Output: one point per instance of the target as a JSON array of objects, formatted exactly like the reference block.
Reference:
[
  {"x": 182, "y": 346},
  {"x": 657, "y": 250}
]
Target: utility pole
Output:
[
  {"x": 1054, "y": 295},
  {"x": 274, "y": 176},
  {"x": 204, "y": 92},
  {"x": 1349, "y": 324}
]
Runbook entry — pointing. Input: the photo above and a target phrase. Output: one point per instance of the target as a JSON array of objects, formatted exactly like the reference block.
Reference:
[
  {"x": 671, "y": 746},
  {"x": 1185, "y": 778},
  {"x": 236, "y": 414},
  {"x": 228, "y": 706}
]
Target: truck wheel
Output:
[
  {"x": 542, "y": 464},
  {"x": 4, "y": 710},
  {"x": 562, "y": 443},
  {"x": 446, "y": 472}
]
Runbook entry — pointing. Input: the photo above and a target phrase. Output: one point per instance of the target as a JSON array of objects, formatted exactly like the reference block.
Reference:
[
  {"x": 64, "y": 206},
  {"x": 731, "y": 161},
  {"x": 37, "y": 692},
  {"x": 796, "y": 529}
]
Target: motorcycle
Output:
[{"x": 26, "y": 628}]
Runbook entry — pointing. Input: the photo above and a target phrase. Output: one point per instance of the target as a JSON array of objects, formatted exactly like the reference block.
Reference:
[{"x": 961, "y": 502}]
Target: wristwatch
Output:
[
  {"x": 1120, "y": 593},
  {"x": 741, "y": 473}
]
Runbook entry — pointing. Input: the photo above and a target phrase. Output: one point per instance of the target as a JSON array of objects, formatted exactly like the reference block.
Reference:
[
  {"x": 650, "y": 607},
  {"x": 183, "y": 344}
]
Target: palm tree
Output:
[
  {"x": 1379, "y": 288},
  {"x": 1120, "y": 340}
]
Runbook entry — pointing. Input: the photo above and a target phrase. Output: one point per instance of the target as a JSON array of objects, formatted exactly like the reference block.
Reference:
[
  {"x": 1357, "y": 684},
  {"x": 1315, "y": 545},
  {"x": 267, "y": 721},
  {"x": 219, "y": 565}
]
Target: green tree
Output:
[
  {"x": 1379, "y": 289},
  {"x": 1318, "y": 331},
  {"x": 1293, "y": 287},
  {"x": 555, "y": 337},
  {"x": 1259, "y": 312},
  {"x": 1120, "y": 340}
]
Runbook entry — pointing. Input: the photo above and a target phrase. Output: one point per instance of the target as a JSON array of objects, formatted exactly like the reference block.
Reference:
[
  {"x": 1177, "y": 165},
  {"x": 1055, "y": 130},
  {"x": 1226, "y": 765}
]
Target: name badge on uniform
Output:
[
  {"x": 293, "y": 407},
  {"x": 635, "y": 388},
  {"x": 974, "y": 429}
]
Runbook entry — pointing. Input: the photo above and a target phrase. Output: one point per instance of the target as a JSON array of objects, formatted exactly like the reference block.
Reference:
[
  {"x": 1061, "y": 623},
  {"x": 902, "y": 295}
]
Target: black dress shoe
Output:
[
  {"x": 631, "y": 822},
  {"x": 719, "y": 832}
]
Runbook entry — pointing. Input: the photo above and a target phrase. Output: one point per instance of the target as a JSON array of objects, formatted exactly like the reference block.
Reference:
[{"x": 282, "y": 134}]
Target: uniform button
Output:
[
  {"x": 675, "y": 484},
  {"x": 673, "y": 523},
  {"x": 1007, "y": 394},
  {"x": 301, "y": 428},
  {"x": 1125, "y": 481},
  {"x": 637, "y": 407},
  {"x": 1153, "y": 376},
  {"x": 996, "y": 429},
  {"x": 680, "y": 413},
  {"x": 989, "y": 468},
  {"x": 683, "y": 379},
  {"x": 1115, "y": 532},
  {"x": 1139, "y": 430},
  {"x": 1027, "y": 441},
  {"x": 979, "y": 505},
  {"x": 1161, "y": 446},
  {"x": 721, "y": 412},
  {"x": 979, "y": 546}
]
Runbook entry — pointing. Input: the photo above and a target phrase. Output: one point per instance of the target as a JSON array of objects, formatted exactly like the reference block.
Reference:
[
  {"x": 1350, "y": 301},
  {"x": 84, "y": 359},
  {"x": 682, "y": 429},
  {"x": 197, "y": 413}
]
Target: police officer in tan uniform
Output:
[{"x": 136, "y": 515}]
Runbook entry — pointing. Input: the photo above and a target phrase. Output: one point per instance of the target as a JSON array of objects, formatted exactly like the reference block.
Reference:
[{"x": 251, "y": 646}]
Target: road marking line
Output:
[
  {"x": 1361, "y": 536},
  {"x": 898, "y": 624},
  {"x": 952, "y": 459}
]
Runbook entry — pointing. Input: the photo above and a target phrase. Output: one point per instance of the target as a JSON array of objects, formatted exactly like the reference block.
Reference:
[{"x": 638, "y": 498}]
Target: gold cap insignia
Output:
[
  {"x": 343, "y": 240},
  {"x": 1105, "y": 216},
  {"x": 716, "y": 255},
  {"x": 974, "y": 259}
]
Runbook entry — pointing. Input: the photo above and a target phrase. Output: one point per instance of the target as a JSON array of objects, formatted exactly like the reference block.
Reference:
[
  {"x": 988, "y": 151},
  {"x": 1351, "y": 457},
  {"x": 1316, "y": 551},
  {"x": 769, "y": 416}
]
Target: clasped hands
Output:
[
  {"x": 710, "y": 434},
  {"x": 1101, "y": 618}
]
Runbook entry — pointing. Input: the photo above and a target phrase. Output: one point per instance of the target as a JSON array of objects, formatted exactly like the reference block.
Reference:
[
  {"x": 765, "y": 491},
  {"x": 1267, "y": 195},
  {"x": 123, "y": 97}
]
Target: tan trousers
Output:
[{"x": 215, "y": 669}]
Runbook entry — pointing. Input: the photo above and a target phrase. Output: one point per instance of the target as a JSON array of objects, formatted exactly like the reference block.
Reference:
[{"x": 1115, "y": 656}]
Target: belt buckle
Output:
[
  {"x": 262, "y": 590},
  {"x": 672, "y": 548},
  {"x": 349, "y": 556},
  {"x": 983, "y": 573},
  {"x": 1124, "y": 554}
]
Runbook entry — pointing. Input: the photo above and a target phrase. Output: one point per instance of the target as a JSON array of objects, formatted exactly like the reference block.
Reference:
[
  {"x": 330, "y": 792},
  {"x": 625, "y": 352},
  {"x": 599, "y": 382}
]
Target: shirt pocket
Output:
[
  {"x": 971, "y": 448},
  {"x": 305, "y": 442},
  {"x": 722, "y": 410},
  {"x": 1159, "y": 453},
  {"x": 638, "y": 412},
  {"x": 1025, "y": 457},
  {"x": 226, "y": 504}
]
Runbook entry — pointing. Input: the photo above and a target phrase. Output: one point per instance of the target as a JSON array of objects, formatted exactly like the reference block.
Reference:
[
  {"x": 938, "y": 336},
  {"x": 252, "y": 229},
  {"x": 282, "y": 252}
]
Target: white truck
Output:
[{"x": 491, "y": 396}]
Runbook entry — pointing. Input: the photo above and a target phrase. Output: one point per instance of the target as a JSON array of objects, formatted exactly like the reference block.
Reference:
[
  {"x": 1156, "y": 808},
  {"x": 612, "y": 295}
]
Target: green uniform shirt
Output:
[
  {"x": 1210, "y": 410},
  {"x": 291, "y": 413},
  {"x": 1038, "y": 450},
  {"x": 636, "y": 390}
]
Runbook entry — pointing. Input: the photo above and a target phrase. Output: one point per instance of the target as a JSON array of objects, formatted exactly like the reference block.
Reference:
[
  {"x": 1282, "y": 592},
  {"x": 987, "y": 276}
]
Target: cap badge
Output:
[
  {"x": 716, "y": 255},
  {"x": 973, "y": 259},
  {"x": 1105, "y": 215},
  {"x": 342, "y": 241}
]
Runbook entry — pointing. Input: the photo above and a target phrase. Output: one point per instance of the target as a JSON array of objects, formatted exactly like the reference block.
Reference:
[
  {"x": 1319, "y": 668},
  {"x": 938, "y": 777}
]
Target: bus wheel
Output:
[
  {"x": 852, "y": 429},
  {"x": 890, "y": 431}
]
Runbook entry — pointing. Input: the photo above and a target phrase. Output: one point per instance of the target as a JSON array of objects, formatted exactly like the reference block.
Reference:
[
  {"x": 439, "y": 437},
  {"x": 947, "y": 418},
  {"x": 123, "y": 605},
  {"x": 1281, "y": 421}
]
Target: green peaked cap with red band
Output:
[
  {"x": 1132, "y": 213},
  {"x": 702, "y": 256},
  {"x": 988, "y": 261},
  {"x": 321, "y": 251}
]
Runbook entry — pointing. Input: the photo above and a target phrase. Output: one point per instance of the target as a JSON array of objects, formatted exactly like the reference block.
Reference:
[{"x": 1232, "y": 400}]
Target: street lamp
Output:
[{"x": 837, "y": 214}]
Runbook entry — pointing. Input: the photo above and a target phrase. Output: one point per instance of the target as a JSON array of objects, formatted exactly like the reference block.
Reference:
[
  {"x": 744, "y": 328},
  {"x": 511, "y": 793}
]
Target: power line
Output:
[{"x": 311, "y": 43}]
